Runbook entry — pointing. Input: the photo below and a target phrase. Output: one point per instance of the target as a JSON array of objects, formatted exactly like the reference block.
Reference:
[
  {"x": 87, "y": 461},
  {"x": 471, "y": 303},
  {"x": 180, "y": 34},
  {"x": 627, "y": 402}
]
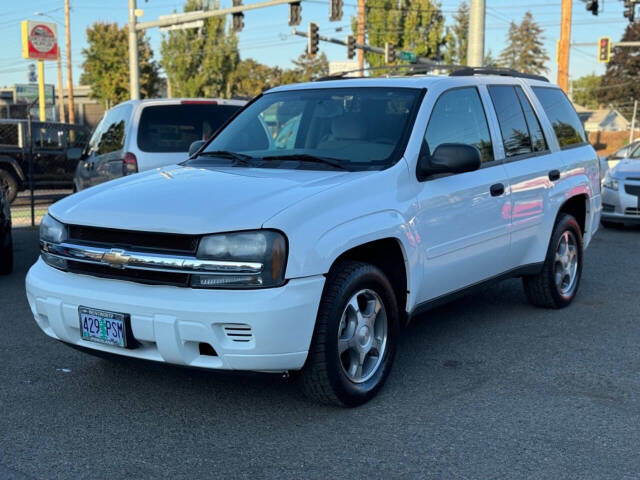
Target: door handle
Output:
[
  {"x": 554, "y": 175},
  {"x": 497, "y": 190}
]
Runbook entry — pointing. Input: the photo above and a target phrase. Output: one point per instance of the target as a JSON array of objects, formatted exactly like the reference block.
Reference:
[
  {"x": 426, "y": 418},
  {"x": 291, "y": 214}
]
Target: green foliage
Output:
[
  {"x": 416, "y": 26},
  {"x": 457, "y": 37},
  {"x": 620, "y": 84},
  {"x": 106, "y": 68},
  {"x": 525, "y": 52},
  {"x": 199, "y": 61},
  {"x": 251, "y": 77},
  {"x": 585, "y": 91}
]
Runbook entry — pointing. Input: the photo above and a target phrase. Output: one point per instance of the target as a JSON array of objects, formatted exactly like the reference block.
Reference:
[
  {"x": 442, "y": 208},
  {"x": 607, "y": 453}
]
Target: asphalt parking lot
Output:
[{"x": 488, "y": 387}]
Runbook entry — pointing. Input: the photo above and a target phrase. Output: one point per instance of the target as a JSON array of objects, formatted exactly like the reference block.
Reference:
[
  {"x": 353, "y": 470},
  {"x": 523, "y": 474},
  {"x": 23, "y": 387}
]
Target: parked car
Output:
[
  {"x": 139, "y": 135},
  {"x": 52, "y": 166},
  {"x": 631, "y": 150},
  {"x": 309, "y": 256},
  {"x": 621, "y": 191},
  {"x": 6, "y": 240}
]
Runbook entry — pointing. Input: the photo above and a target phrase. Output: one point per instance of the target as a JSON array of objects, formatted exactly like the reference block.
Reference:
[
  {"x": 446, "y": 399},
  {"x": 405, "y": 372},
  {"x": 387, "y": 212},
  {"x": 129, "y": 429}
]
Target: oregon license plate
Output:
[{"x": 102, "y": 326}]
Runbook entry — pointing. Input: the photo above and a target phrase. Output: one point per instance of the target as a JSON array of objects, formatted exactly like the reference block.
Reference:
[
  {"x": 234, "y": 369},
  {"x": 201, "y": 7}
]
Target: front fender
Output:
[{"x": 14, "y": 167}]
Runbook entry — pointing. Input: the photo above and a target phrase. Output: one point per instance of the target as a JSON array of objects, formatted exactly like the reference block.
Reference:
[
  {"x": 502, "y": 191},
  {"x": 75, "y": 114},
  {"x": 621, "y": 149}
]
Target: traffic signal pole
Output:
[
  {"x": 134, "y": 70},
  {"x": 475, "y": 49},
  {"x": 564, "y": 45}
]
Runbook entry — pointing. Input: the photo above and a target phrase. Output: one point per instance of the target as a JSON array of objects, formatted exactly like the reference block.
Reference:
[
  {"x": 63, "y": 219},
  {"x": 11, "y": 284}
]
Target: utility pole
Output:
[
  {"x": 60, "y": 94},
  {"x": 475, "y": 49},
  {"x": 134, "y": 72},
  {"x": 67, "y": 35},
  {"x": 633, "y": 120},
  {"x": 564, "y": 46},
  {"x": 360, "y": 38}
]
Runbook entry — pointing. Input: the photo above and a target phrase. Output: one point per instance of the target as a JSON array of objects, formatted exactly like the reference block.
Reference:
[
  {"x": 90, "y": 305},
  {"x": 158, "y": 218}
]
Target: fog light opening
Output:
[{"x": 206, "y": 349}]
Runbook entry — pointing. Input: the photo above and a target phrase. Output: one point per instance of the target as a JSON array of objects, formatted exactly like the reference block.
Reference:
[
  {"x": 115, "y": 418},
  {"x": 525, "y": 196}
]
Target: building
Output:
[{"x": 602, "y": 120}]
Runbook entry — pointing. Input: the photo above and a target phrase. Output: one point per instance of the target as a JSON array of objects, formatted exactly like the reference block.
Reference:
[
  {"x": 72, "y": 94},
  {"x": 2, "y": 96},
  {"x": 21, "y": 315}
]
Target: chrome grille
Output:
[{"x": 632, "y": 211}]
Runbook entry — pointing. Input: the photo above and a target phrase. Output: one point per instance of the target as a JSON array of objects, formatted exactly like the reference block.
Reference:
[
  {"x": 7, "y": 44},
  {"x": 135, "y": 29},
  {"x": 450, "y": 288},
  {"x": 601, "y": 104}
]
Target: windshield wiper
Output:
[
  {"x": 305, "y": 157},
  {"x": 241, "y": 157}
]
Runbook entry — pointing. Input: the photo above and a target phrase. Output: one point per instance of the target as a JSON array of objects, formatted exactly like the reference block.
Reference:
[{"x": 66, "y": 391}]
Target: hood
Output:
[
  {"x": 180, "y": 199},
  {"x": 626, "y": 168}
]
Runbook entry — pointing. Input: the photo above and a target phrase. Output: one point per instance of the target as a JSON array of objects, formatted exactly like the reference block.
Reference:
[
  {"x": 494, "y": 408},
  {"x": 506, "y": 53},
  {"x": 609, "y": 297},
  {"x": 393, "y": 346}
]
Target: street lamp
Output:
[{"x": 60, "y": 96}]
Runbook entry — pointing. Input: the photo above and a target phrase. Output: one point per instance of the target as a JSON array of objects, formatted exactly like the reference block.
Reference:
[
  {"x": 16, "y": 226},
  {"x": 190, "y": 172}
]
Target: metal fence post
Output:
[{"x": 30, "y": 153}]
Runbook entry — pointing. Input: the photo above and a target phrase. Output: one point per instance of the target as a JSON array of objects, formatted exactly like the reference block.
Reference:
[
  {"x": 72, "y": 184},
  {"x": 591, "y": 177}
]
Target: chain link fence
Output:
[{"x": 35, "y": 168}]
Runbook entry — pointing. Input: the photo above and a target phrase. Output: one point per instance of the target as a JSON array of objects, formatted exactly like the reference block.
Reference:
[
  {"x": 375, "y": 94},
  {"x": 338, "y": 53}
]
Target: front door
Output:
[{"x": 462, "y": 220}]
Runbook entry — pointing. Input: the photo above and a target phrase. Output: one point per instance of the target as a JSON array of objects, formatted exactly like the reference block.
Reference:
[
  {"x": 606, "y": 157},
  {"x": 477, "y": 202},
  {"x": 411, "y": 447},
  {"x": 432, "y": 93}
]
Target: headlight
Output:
[
  {"x": 246, "y": 260},
  {"x": 610, "y": 183},
  {"x": 52, "y": 231}
]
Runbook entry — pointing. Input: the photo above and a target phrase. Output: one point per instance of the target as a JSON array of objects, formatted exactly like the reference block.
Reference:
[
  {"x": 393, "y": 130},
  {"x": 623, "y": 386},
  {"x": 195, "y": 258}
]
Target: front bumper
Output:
[
  {"x": 171, "y": 322},
  {"x": 619, "y": 206}
]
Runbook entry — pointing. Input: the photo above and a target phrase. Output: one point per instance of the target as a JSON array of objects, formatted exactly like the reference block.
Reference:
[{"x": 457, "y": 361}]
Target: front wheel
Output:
[
  {"x": 557, "y": 284},
  {"x": 355, "y": 338}
]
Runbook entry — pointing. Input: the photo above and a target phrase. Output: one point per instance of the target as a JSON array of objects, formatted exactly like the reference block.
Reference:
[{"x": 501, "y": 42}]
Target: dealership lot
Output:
[{"x": 488, "y": 387}]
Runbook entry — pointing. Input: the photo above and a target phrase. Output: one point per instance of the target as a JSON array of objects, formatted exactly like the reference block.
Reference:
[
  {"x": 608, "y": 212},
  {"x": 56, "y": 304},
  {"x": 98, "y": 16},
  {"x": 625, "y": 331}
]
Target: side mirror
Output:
[
  {"x": 449, "y": 158},
  {"x": 74, "y": 154},
  {"x": 195, "y": 146}
]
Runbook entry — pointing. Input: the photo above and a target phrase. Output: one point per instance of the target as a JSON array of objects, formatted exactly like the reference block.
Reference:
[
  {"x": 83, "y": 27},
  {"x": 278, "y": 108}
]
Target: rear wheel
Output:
[
  {"x": 6, "y": 254},
  {"x": 9, "y": 183},
  {"x": 355, "y": 337},
  {"x": 557, "y": 284}
]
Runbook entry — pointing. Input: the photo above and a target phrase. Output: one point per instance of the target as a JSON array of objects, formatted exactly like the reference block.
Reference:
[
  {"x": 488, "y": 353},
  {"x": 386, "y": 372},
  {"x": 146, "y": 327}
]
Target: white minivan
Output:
[{"x": 139, "y": 135}]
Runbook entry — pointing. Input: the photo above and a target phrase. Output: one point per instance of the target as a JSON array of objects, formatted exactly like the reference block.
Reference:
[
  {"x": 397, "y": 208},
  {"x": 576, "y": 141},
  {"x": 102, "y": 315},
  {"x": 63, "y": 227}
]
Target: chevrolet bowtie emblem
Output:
[{"x": 115, "y": 258}]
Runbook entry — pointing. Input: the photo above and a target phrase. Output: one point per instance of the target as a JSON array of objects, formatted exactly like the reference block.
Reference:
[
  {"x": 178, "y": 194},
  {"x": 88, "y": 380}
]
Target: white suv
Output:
[
  {"x": 309, "y": 256},
  {"x": 139, "y": 135}
]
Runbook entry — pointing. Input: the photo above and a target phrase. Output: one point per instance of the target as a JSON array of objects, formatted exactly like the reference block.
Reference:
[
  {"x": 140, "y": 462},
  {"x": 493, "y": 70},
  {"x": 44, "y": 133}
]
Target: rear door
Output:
[
  {"x": 165, "y": 132},
  {"x": 531, "y": 166}
]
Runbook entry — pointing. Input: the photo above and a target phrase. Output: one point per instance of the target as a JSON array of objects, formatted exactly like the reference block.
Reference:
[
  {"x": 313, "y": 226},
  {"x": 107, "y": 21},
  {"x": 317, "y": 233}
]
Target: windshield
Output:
[{"x": 349, "y": 128}]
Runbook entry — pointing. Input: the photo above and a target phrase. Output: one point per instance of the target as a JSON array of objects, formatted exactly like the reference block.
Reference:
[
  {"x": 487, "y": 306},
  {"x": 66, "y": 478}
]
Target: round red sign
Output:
[{"x": 42, "y": 38}]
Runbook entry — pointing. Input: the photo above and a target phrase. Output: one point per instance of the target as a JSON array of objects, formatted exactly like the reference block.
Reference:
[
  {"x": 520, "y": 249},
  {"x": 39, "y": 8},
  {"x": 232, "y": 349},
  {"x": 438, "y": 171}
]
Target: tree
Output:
[
  {"x": 620, "y": 85},
  {"x": 457, "y": 38},
  {"x": 585, "y": 91},
  {"x": 310, "y": 68},
  {"x": 525, "y": 52},
  {"x": 199, "y": 61},
  {"x": 106, "y": 68},
  {"x": 416, "y": 26},
  {"x": 250, "y": 78}
]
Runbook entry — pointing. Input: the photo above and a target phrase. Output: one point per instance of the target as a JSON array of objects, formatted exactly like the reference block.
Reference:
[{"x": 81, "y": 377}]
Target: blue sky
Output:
[{"x": 267, "y": 37}]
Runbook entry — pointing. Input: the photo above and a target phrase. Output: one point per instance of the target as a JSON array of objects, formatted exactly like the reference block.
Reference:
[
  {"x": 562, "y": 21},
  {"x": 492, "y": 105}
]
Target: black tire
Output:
[
  {"x": 6, "y": 255},
  {"x": 323, "y": 377},
  {"x": 10, "y": 184},
  {"x": 542, "y": 289}
]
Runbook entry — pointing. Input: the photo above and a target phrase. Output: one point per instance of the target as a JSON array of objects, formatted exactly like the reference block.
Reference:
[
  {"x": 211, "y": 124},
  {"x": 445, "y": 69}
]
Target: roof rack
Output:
[
  {"x": 504, "y": 72},
  {"x": 424, "y": 68}
]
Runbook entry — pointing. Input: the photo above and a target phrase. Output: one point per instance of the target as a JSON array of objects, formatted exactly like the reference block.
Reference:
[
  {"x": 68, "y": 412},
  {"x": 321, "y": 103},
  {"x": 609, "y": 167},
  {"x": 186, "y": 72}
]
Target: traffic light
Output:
[
  {"x": 351, "y": 46},
  {"x": 389, "y": 53},
  {"x": 630, "y": 10},
  {"x": 237, "y": 22},
  {"x": 592, "y": 6},
  {"x": 295, "y": 14},
  {"x": 313, "y": 39},
  {"x": 335, "y": 10},
  {"x": 604, "y": 50}
]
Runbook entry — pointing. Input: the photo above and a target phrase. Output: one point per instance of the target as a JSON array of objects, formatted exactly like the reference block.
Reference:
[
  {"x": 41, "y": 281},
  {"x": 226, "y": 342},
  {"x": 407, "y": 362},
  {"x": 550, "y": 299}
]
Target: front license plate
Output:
[{"x": 102, "y": 326}]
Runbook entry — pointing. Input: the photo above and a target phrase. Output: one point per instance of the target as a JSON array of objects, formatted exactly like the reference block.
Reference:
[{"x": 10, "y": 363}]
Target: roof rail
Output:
[
  {"x": 405, "y": 69},
  {"x": 504, "y": 72}
]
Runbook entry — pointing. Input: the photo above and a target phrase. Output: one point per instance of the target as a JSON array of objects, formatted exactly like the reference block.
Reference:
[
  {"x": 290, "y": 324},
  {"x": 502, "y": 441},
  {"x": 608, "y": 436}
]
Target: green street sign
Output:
[{"x": 408, "y": 56}]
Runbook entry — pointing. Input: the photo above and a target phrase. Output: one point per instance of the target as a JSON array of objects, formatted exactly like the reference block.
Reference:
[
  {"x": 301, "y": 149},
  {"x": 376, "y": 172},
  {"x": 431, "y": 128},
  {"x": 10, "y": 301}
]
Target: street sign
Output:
[
  {"x": 181, "y": 26},
  {"x": 407, "y": 56},
  {"x": 39, "y": 40},
  {"x": 32, "y": 75}
]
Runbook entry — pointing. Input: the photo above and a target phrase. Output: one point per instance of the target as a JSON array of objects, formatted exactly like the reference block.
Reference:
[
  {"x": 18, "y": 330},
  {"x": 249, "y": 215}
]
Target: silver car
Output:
[{"x": 621, "y": 190}]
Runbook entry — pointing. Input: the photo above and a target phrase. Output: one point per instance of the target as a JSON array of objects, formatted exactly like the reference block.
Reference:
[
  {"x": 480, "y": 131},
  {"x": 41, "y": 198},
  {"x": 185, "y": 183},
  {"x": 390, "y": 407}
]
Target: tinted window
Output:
[
  {"x": 458, "y": 117},
  {"x": 513, "y": 126},
  {"x": 172, "y": 128},
  {"x": 359, "y": 128},
  {"x": 562, "y": 116},
  {"x": 635, "y": 153},
  {"x": 48, "y": 137},
  {"x": 109, "y": 135},
  {"x": 538, "y": 143}
]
